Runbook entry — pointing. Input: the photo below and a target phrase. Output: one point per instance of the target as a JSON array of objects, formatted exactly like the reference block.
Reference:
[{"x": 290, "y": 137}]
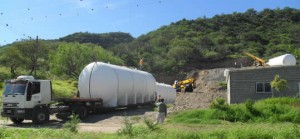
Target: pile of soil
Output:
[{"x": 208, "y": 88}]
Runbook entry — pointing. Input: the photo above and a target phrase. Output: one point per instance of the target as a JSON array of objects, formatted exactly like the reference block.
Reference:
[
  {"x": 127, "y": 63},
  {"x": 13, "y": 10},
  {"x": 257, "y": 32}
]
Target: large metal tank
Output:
[
  {"x": 116, "y": 85},
  {"x": 283, "y": 60},
  {"x": 167, "y": 92}
]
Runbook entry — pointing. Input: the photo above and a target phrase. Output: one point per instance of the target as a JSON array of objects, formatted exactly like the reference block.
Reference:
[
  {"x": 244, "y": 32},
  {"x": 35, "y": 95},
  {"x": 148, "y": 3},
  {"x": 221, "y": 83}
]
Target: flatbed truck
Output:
[{"x": 31, "y": 99}]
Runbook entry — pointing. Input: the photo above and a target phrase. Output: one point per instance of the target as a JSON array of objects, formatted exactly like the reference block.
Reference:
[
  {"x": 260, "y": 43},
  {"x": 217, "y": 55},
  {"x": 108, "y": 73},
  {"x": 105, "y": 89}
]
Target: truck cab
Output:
[{"x": 26, "y": 98}]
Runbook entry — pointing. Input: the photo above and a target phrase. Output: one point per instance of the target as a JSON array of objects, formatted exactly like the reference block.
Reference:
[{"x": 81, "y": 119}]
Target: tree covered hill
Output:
[
  {"x": 172, "y": 48},
  {"x": 104, "y": 39}
]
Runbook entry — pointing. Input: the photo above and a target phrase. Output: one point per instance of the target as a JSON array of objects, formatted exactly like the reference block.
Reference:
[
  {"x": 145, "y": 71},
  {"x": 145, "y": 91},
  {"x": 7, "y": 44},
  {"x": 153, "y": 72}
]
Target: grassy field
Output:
[{"x": 171, "y": 131}]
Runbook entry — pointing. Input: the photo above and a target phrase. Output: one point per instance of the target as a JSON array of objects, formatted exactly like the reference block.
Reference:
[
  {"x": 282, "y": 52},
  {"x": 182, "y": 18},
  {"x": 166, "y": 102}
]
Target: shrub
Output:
[
  {"x": 250, "y": 108},
  {"x": 150, "y": 124},
  {"x": 237, "y": 113},
  {"x": 220, "y": 104},
  {"x": 223, "y": 85},
  {"x": 127, "y": 129},
  {"x": 71, "y": 125}
]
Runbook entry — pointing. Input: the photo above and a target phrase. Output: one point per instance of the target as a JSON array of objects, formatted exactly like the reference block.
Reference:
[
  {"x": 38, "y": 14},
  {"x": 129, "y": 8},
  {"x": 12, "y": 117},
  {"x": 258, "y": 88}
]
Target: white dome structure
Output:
[
  {"x": 283, "y": 60},
  {"x": 116, "y": 85}
]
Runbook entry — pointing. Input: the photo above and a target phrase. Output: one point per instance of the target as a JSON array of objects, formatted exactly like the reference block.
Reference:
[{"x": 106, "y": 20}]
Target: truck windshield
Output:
[{"x": 14, "y": 88}]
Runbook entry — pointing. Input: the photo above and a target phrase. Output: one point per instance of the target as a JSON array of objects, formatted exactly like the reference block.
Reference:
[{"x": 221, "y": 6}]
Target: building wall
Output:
[{"x": 242, "y": 83}]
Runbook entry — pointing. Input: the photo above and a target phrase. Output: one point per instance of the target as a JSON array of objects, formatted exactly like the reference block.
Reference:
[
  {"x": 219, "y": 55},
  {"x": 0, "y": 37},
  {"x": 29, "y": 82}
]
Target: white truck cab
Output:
[{"x": 24, "y": 96}]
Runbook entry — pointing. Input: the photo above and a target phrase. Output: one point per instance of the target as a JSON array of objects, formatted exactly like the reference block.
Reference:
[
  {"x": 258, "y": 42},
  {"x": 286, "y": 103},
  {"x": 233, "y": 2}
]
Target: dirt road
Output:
[{"x": 109, "y": 122}]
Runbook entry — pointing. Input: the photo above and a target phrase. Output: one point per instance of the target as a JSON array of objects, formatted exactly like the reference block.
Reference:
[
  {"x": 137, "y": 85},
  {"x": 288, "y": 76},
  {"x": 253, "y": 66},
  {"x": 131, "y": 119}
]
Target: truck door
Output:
[{"x": 33, "y": 94}]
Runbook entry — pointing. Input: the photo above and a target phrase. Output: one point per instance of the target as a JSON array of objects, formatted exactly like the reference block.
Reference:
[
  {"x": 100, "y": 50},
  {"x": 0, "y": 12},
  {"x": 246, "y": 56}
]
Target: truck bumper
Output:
[{"x": 16, "y": 113}]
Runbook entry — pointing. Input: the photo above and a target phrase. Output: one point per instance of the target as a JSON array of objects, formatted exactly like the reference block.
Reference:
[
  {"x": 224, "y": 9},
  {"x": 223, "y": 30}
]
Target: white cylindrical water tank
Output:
[
  {"x": 116, "y": 85},
  {"x": 283, "y": 60},
  {"x": 167, "y": 92}
]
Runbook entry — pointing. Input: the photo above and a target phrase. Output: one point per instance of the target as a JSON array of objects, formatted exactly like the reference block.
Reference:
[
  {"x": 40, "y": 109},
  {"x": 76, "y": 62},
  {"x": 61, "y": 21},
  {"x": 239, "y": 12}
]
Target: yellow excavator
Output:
[
  {"x": 258, "y": 61},
  {"x": 187, "y": 85}
]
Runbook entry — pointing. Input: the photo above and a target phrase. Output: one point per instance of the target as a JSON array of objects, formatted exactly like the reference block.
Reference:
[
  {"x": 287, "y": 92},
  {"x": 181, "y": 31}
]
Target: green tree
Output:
[
  {"x": 70, "y": 58},
  {"x": 30, "y": 55},
  {"x": 278, "y": 84}
]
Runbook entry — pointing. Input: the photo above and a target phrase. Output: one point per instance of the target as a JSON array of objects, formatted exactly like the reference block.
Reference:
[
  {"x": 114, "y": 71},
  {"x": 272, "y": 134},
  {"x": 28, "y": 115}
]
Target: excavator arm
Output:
[{"x": 260, "y": 61}]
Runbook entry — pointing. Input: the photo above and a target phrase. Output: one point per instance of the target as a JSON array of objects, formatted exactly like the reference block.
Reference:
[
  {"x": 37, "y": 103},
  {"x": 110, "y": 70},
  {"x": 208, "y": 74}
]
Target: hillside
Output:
[
  {"x": 187, "y": 44},
  {"x": 102, "y": 39}
]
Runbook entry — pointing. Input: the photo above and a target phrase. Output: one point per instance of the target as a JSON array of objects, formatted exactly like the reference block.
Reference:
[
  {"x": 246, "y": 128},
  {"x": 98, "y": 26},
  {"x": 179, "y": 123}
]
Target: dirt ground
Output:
[{"x": 109, "y": 122}]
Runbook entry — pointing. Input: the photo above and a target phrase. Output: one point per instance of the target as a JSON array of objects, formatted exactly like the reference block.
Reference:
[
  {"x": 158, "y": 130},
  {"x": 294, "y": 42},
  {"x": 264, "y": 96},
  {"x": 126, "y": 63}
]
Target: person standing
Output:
[{"x": 162, "y": 111}]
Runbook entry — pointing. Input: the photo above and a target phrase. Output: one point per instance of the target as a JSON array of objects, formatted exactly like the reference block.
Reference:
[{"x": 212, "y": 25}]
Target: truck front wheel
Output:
[
  {"x": 40, "y": 117},
  {"x": 17, "y": 120}
]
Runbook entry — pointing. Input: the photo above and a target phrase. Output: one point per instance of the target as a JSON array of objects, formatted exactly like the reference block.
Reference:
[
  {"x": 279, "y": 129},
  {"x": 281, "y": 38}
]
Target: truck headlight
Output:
[{"x": 20, "y": 111}]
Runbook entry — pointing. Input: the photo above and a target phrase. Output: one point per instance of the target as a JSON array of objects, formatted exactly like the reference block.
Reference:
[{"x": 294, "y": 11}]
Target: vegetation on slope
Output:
[
  {"x": 176, "y": 48},
  {"x": 172, "y": 48},
  {"x": 105, "y": 40}
]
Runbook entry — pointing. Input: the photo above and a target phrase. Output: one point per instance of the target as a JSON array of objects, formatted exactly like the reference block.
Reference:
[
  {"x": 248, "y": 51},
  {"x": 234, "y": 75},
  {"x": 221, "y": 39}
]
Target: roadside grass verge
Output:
[
  {"x": 272, "y": 110},
  {"x": 47, "y": 133},
  {"x": 170, "y": 131},
  {"x": 237, "y": 130}
]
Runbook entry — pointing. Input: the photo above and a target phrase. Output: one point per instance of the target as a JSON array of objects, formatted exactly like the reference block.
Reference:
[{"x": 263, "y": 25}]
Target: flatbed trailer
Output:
[{"x": 80, "y": 106}]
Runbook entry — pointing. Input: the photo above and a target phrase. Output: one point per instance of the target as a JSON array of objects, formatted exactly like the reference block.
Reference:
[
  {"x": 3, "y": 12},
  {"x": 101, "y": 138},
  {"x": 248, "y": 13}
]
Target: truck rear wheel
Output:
[
  {"x": 82, "y": 112},
  {"x": 41, "y": 116},
  {"x": 17, "y": 120}
]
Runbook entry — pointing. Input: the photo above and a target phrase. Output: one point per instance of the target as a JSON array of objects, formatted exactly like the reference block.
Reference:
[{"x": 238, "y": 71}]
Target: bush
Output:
[
  {"x": 71, "y": 125},
  {"x": 270, "y": 110},
  {"x": 223, "y": 85},
  {"x": 220, "y": 104},
  {"x": 127, "y": 129},
  {"x": 150, "y": 124},
  {"x": 250, "y": 108}
]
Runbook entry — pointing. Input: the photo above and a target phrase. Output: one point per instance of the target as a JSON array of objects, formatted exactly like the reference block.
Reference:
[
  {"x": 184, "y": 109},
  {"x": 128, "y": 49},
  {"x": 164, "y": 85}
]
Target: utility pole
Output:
[{"x": 36, "y": 54}]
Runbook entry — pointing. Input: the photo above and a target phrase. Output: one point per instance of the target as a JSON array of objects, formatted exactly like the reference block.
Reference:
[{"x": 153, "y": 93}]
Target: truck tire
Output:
[
  {"x": 40, "y": 116},
  {"x": 17, "y": 120},
  {"x": 82, "y": 112}
]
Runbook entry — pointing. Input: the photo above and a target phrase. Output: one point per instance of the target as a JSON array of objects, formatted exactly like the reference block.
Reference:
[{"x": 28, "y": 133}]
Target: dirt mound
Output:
[
  {"x": 210, "y": 81},
  {"x": 210, "y": 84},
  {"x": 186, "y": 101}
]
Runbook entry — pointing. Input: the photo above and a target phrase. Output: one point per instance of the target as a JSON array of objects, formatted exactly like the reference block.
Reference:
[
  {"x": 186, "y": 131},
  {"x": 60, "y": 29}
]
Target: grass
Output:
[
  {"x": 270, "y": 110},
  {"x": 47, "y": 133},
  {"x": 171, "y": 131},
  {"x": 236, "y": 130}
]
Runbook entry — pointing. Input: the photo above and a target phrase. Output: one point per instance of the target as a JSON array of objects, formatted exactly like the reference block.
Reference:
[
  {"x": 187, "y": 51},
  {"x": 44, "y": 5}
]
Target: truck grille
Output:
[{"x": 10, "y": 105}]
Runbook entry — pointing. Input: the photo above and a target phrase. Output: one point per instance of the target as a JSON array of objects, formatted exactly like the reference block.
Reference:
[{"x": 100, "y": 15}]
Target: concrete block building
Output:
[{"x": 254, "y": 83}]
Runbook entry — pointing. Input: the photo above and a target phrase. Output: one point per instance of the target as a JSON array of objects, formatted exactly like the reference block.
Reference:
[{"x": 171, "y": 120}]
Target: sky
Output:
[{"x": 53, "y": 19}]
